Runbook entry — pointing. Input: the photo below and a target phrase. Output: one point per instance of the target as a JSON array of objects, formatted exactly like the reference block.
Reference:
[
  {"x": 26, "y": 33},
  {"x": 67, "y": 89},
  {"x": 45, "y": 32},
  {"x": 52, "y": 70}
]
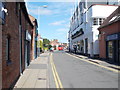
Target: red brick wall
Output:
[
  {"x": 111, "y": 29},
  {"x": 11, "y": 27},
  {"x": 10, "y": 72}
]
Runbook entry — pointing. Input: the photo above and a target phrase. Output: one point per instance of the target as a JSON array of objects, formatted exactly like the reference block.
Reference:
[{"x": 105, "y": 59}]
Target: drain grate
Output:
[
  {"x": 41, "y": 78},
  {"x": 114, "y": 67}
]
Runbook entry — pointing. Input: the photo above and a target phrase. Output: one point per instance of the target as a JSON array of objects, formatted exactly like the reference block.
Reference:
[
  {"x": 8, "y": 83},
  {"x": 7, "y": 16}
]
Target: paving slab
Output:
[{"x": 35, "y": 76}]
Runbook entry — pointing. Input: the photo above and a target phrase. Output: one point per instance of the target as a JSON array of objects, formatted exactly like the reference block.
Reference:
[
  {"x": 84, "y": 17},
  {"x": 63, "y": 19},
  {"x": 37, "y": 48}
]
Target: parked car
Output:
[{"x": 60, "y": 47}]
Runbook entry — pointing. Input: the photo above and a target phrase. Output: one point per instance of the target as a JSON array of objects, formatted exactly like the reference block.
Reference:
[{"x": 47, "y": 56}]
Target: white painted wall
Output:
[
  {"x": 90, "y": 31},
  {"x": 102, "y": 10}
]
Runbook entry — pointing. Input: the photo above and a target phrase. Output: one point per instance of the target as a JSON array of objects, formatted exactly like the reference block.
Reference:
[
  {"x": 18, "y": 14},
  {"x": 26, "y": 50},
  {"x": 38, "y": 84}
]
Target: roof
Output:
[
  {"x": 23, "y": 6},
  {"x": 33, "y": 20},
  {"x": 114, "y": 17}
]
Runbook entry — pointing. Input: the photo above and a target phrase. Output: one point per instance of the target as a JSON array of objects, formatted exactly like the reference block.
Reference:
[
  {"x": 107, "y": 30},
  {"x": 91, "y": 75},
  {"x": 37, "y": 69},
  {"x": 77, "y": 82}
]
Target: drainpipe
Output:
[
  {"x": 20, "y": 39},
  {"x": 20, "y": 49}
]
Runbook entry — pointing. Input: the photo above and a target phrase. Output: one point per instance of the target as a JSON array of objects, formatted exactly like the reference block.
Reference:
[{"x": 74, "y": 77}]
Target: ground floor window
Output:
[{"x": 110, "y": 49}]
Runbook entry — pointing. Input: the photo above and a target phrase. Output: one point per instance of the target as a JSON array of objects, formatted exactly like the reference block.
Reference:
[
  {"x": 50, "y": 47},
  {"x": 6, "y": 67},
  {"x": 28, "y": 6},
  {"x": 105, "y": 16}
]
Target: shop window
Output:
[{"x": 110, "y": 49}]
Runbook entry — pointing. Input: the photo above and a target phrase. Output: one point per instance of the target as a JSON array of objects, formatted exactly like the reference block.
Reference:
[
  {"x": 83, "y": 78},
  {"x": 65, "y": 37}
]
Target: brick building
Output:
[
  {"x": 16, "y": 41},
  {"x": 54, "y": 43},
  {"x": 34, "y": 37},
  {"x": 109, "y": 37}
]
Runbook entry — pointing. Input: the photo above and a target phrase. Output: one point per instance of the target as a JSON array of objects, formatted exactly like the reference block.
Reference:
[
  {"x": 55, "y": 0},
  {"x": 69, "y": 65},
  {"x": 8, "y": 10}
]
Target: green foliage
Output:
[
  {"x": 39, "y": 44},
  {"x": 49, "y": 46},
  {"x": 46, "y": 42}
]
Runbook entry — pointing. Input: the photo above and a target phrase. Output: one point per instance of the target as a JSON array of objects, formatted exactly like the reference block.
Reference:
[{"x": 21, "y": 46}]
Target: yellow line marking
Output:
[
  {"x": 55, "y": 74},
  {"x": 95, "y": 64},
  {"x": 56, "y": 83}
]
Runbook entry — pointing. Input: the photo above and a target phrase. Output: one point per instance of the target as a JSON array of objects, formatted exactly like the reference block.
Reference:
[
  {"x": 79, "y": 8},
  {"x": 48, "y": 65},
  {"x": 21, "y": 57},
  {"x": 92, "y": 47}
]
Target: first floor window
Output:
[
  {"x": 101, "y": 20},
  {"x": 98, "y": 21},
  {"x": 95, "y": 21}
]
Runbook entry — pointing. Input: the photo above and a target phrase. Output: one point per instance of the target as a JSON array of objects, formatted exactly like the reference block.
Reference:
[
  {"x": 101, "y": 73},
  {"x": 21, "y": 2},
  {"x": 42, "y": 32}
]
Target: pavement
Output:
[
  {"x": 36, "y": 75},
  {"x": 105, "y": 63}
]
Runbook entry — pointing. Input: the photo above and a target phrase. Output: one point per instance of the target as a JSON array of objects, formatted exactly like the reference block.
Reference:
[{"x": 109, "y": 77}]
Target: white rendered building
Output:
[{"x": 83, "y": 33}]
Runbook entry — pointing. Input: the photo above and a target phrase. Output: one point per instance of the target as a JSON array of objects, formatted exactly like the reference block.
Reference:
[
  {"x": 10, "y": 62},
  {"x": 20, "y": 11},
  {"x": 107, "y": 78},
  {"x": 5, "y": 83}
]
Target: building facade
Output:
[
  {"x": 16, "y": 41},
  {"x": 109, "y": 37},
  {"x": 84, "y": 24},
  {"x": 54, "y": 43},
  {"x": 34, "y": 37}
]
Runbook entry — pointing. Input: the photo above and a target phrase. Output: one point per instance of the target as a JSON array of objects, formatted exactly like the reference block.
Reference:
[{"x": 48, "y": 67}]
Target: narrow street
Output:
[
  {"x": 60, "y": 44},
  {"x": 74, "y": 73},
  {"x": 60, "y": 69}
]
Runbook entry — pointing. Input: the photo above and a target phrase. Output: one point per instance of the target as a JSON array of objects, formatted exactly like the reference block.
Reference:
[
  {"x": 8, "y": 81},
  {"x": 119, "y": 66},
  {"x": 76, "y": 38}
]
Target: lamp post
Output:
[{"x": 44, "y": 6}]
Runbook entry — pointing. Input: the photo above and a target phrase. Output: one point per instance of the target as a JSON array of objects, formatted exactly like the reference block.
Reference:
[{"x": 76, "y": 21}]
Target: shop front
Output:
[{"x": 113, "y": 47}]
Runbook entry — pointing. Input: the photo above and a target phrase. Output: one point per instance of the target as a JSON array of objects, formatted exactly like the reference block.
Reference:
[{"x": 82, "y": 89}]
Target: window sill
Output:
[{"x": 8, "y": 62}]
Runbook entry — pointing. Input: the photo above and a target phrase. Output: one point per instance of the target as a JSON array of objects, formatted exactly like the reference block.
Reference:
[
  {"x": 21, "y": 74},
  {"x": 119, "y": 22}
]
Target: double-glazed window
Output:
[{"x": 98, "y": 21}]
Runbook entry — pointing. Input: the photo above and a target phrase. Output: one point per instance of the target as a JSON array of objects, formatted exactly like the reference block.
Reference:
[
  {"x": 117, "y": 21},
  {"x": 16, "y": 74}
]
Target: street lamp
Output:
[{"x": 44, "y": 6}]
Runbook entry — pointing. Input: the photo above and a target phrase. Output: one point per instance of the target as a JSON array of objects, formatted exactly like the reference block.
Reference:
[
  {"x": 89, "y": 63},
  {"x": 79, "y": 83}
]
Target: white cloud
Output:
[
  {"x": 57, "y": 23},
  {"x": 40, "y": 11},
  {"x": 37, "y": 10},
  {"x": 62, "y": 30}
]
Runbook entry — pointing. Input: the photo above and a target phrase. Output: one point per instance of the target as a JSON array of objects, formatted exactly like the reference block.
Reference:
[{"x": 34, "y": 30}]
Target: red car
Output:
[{"x": 60, "y": 47}]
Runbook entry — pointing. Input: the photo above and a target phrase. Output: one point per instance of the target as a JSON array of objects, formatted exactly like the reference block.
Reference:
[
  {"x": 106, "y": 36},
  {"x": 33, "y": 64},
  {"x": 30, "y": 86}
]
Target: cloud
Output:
[
  {"x": 37, "y": 10},
  {"x": 62, "y": 30},
  {"x": 57, "y": 23},
  {"x": 40, "y": 11}
]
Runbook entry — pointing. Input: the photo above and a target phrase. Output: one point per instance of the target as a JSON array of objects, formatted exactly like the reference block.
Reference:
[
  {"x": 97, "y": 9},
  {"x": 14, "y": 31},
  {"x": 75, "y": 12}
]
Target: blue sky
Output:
[{"x": 53, "y": 20}]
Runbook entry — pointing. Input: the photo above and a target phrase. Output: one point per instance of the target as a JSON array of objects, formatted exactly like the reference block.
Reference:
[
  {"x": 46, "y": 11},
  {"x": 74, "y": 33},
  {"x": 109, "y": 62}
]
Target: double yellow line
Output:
[{"x": 55, "y": 74}]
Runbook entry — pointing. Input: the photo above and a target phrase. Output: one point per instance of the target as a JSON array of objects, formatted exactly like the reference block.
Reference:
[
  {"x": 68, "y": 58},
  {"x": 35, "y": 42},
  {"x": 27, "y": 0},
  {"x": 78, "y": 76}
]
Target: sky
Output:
[{"x": 53, "y": 21}]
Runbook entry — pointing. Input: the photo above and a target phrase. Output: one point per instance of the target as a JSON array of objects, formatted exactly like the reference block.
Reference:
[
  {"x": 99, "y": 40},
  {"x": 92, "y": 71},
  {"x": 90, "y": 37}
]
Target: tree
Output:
[
  {"x": 46, "y": 42},
  {"x": 40, "y": 44},
  {"x": 49, "y": 46}
]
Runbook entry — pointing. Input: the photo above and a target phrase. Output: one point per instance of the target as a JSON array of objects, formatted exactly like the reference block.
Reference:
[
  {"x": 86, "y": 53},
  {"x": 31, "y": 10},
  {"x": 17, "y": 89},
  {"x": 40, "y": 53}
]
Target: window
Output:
[
  {"x": 81, "y": 18},
  {"x": 8, "y": 49},
  {"x": 110, "y": 49},
  {"x": 101, "y": 20},
  {"x": 80, "y": 6},
  {"x": 98, "y": 21},
  {"x": 95, "y": 21}
]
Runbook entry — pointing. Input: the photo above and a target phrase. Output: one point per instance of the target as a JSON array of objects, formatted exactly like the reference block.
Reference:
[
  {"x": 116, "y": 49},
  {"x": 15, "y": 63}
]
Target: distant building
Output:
[
  {"x": 109, "y": 37},
  {"x": 34, "y": 37},
  {"x": 84, "y": 24},
  {"x": 54, "y": 43}
]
